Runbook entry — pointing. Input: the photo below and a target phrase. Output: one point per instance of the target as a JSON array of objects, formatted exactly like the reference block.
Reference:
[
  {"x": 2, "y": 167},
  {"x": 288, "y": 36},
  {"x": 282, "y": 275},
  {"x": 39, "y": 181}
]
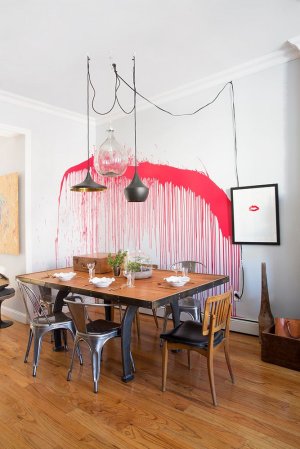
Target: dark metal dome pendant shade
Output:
[
  {"x": 136, "y": 191},
  {"x": 88, "y": 185}
]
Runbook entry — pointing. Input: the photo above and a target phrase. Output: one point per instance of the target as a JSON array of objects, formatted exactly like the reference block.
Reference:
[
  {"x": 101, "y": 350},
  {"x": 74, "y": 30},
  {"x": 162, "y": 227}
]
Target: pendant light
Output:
[
  {"x": 88, "y": 185},
  {"x": 110, "y": 158},
  {"x": 136, "y": 191}
]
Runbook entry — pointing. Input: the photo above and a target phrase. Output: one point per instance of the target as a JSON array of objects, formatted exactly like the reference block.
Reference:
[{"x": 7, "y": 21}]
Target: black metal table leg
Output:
[
  {"x": 175, "y": 313},
  {"x": 4, "y": 323},
  {"x": 107, "y": 310},
  {"x": 58, "y": 305},
  {"x": 126, "y": 341}
]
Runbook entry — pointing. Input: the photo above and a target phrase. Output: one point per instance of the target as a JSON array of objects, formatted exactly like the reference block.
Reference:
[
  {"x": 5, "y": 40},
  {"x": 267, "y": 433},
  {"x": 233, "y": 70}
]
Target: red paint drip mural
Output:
[{"x": 186, "y": 217}]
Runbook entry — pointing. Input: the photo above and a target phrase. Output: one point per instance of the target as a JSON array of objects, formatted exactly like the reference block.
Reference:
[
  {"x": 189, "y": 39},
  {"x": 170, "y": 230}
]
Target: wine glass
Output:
[
  {"x": 130, "y": 278},
  {"x": 91, "y": 267},
  {"x": 184, "y": 271}
]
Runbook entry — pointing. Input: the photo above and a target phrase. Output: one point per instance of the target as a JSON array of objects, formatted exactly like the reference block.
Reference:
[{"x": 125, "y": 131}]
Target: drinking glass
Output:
[
  {"x": 130, "y": 278},
  {"x": 184, "y": 271},
  {"x": 91, "y": 267}
]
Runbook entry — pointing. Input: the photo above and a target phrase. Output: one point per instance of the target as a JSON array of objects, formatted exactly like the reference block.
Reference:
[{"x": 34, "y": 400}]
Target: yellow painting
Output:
[{"x": 9, "y": 214}]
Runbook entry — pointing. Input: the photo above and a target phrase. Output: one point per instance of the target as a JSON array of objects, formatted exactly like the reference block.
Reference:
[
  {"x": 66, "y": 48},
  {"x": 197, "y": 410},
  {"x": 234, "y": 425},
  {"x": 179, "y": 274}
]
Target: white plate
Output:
[
  {"x": 102, "y": 282},
  {"x": 65, "y": 276},
  {"x": 177, "y": 281}
]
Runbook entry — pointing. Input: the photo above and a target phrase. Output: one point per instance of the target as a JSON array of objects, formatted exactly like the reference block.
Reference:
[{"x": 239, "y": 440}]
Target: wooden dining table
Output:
[{"x": 148, "y": 293}]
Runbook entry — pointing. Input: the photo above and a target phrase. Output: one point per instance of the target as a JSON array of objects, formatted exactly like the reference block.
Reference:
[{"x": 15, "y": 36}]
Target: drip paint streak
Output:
[{"x": 186, "y": 217}]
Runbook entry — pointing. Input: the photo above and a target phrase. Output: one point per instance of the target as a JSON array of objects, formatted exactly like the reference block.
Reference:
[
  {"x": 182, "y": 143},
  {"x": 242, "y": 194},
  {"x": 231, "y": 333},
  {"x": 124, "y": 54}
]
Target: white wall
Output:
[
  {"x": 12, "y": 155},
  {"x": 54, "y": 142},
  {"x": 267, "y": 114}
]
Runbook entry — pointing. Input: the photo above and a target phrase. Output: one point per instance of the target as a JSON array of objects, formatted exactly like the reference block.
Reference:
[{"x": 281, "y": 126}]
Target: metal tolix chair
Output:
[
  {"x": 95, "y": 333},
  {"x": 41, "y": 322}
]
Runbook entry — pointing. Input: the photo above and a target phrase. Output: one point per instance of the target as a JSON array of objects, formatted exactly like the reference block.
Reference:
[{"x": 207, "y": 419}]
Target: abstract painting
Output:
[
  {"x": 9, "y": 214},
  {"x": 186, "y": 217}
]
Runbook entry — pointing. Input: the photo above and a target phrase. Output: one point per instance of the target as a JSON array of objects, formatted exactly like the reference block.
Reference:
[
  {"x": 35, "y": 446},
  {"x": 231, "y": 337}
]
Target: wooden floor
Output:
[{"x": 261, "y": 411}]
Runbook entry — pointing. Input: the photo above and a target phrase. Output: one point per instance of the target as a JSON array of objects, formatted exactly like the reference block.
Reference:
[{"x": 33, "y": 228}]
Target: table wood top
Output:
[{"x": 150, "y": 293}]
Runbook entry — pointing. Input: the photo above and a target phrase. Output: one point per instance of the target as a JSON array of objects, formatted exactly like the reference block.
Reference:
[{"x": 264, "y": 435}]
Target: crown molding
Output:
[
  {"x": 295, "y": 42},
  {"x": 289, "y": 53},
  {"x": 36, "y": 105}
]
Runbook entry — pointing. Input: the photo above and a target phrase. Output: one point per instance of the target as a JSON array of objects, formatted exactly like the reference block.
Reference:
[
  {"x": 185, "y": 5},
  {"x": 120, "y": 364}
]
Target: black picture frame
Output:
[{"x": 255, "y": 215}]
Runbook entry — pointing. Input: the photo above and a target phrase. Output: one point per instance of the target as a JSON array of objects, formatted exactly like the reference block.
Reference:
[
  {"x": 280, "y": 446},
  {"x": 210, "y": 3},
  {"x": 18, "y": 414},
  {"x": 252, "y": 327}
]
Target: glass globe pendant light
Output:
[
  {"x": 136, "y": 191},
  {"x": 110, "y": 158},
  {"x": 88, "y": 185}
]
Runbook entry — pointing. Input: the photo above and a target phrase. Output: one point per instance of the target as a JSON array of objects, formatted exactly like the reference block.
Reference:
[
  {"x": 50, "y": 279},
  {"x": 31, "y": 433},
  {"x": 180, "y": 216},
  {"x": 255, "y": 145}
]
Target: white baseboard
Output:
[
  {"x": 244, "y": 326},
  {"x": 14, "y": 314}
]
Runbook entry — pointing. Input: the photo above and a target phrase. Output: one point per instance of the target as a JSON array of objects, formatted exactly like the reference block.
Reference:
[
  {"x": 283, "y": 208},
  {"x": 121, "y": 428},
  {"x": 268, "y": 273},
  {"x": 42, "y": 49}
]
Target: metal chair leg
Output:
[
  {"x": 96, "y": 363},
  {"x": 28, "y": 346},
  {"x": 76, "y": 343},
  {"x": 36, "y": 352}
]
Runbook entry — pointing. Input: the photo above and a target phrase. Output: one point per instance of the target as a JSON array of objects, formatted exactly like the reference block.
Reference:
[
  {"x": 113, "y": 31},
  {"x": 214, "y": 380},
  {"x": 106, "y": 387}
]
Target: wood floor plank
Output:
[{"x": 261, "y": 411}]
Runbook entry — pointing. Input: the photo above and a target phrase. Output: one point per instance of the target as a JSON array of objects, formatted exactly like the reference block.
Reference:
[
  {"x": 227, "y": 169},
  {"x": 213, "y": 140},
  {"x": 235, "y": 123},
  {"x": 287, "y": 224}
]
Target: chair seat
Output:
[
  {"x": 102, "y": 326},
  {"x": 6, "y": 293},
  {"x": 190, "y": 333},
  {"x": 57, "y": 318}
]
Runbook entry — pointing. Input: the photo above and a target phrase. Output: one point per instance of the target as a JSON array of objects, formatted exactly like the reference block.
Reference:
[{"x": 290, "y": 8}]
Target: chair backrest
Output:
[
  {"x": 217, "y": 313},
  {"x": 192, "y": 266},
  {"x": 78, "y": 313},
  {"x": 28, "y": 295}
]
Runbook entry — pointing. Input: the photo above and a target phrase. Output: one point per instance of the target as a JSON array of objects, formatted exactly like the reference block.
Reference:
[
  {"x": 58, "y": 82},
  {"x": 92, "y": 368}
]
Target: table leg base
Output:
[
  {"x": 4, "y": 324},
  {"x": 60, "y": 349},
  {"x": 127, "y": 378}
]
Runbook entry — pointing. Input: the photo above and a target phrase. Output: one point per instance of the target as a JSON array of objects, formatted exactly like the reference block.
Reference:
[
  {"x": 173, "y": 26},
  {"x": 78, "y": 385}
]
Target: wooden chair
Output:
[{"x": 204, "y": 338}]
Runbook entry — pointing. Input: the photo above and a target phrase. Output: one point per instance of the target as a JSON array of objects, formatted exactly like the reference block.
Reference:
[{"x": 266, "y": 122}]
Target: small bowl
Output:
[
  {"x": 177, "y": 281},
  {"x": 102, "y": 282},
  {"x": 65, "y": 276}
]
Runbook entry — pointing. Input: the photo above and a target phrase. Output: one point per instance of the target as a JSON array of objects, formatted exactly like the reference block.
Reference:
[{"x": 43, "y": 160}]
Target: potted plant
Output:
[
  {"x": 116, "y": 261},
  {"x": 141, "y": 270}
]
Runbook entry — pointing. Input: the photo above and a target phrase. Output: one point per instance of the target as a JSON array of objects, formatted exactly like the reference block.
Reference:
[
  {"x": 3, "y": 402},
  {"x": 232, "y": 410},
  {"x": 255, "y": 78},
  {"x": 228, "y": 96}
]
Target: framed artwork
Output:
[
  {"x": 9, "y": 214},
  {"x": 255, "y": 214}
]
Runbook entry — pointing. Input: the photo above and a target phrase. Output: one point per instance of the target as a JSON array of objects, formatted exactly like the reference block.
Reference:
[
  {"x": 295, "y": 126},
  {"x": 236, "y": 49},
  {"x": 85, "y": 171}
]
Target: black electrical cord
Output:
[
  {"x": 237, "y": 295},
  {"x": 234, "y": 135},
  {"x": 118, "y": 81},
  {"x": 165, "y": 110}
]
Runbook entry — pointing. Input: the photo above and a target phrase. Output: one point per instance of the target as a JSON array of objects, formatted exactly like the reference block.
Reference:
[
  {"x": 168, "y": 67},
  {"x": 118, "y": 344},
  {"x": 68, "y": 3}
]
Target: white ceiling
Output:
[{"x": 44, "y": 43}]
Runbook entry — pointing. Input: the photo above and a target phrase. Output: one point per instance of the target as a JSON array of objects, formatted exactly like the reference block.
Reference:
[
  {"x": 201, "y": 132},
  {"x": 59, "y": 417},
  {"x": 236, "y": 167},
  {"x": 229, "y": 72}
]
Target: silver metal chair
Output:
[
  {"x": 190, "y": 305},
  {"x": 47, "y": 298},
  {"x": 41, "y": 323},
  {"x": 93, "y": 332}
]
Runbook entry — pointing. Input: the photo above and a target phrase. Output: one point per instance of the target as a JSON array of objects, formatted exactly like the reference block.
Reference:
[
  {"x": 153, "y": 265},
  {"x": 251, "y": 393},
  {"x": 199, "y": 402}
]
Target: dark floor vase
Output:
[{"x": 265, "y": 317}]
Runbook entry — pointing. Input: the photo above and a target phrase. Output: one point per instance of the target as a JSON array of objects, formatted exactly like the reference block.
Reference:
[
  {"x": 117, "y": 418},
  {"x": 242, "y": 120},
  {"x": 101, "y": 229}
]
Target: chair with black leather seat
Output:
[
  {"x": 94, "y": 332},
  {"x": 191, "y": 304},
  {"x": 41, "y": 322},
  {"x": 204, "y": 338},
  {"x": 5, "y": 293}
]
